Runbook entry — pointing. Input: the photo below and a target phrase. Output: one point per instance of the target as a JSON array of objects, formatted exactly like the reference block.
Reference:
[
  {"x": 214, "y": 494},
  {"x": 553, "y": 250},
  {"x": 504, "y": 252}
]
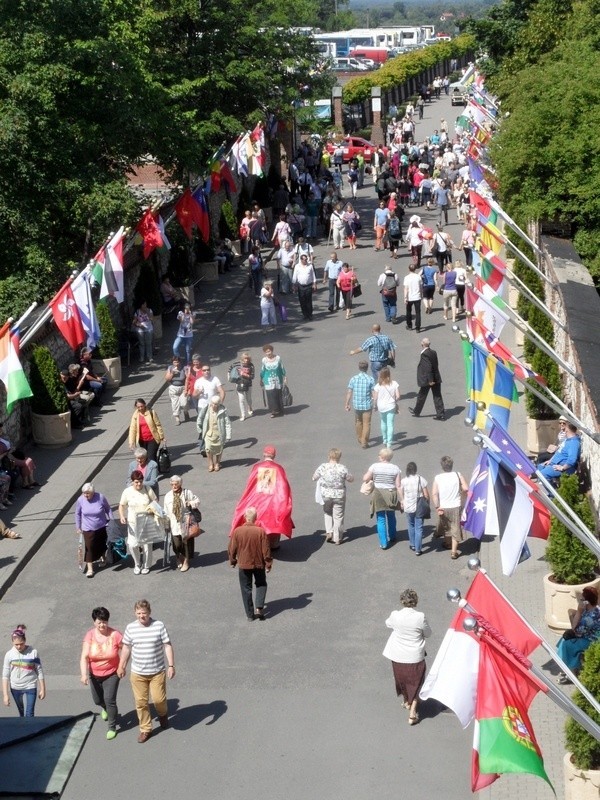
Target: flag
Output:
[
  {"x": 481, "y": 204},
  {"x": 82, "y": 294},
  {"x": 487, "y": 313},
  {"x": 239, "y": 155},
  {"x": 98, "y": 265},
  {"x": 492, "y": 237},
  {"x": 215, "y": 176},
  {"x": 203, "y": 217},
  {"x": 112, "y": 278},
  {"x": 189, "y": 213},
  {"x": 66, "y": 317},
  {"x": 256, "y": 150},
  {"x": 227, "y": 177},
  {"x": 489, "y": 267},
  {"x": 491, "y": 383},
  {"x": 511, "y": 450},
  {"x": 150, "y": 233},
  {"x": 161, "y": 227},
  {"x": 11, "y": 372},
  {"x": 503, "y": 739},
  {"x": 509, "y": 513},
  {"x": 475, "y": 510},
  {"x": 501, "y": 351},
  {"x": 452, "y": 679}
]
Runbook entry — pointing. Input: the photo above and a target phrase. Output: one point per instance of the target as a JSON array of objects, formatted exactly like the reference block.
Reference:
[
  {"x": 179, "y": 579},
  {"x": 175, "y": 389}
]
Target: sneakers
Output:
[
  {"x": 177, "y": 421},
  {"x": 145, "y": 571},
  {"x": 104, "y": 714},
  {"x": 111, "y": 735},
  {"x": 136, "y": 570}
]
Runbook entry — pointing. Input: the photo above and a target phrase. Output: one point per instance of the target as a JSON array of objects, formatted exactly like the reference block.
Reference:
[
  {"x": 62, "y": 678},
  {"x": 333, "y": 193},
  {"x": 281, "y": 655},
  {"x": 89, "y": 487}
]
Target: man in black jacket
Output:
[{"x": 428, "y": 377}]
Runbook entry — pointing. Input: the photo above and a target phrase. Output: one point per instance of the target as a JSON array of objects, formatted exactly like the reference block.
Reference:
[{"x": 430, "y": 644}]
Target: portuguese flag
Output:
[{"x": 503, "y": 740}]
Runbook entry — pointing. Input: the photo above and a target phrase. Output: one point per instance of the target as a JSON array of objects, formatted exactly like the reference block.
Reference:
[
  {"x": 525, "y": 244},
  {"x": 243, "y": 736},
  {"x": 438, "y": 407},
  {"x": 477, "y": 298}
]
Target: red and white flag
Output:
[{"x": 67, "y": 318}]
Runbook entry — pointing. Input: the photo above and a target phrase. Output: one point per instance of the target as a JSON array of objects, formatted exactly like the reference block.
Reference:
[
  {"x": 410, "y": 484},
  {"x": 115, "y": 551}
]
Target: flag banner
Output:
[
  {"x": 487, "y": 269},
  {"x": 189, "y": 213},
  {"x": 215, "y": 176},
  {"x": 227, "y": 178},
  {"x": 11, "y": 372},
  {"x": 510, "y": 449},
  {"x": 150, "y": 233},
  {"x": 493, "y": 384},
  {"x": 203, "y": 216},
  {"x": 98, "y": 266},
  {"x": 487, "y": 313},
  {"x": 82, "y": 294},
  {"x": 459, "y": 651},
  {"x": 66, "y": 317},
  {"x": 482, "y": 205},
  {"x": 504, "y": 740},
  {"x": 239, "y": 155},
  {"x": 474, "y": 512},
  {"x": 161, "y": 227},
  {"x": 501, "y": 351},
  {"x": 113, "y": 282},
  {"x": 257, "y": 150},
  {"x": 492, "y": 237},
  {"x": 509, "y": 513}
]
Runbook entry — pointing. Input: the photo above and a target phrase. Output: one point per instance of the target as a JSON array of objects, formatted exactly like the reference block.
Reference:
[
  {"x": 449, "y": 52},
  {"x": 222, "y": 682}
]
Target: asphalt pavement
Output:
[{"x": 303, "y": 704}]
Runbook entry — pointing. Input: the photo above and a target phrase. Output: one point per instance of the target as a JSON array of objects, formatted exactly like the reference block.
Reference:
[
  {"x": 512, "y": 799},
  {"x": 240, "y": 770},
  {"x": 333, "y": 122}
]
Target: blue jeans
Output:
[
  {"x": 187, "y": 342},
  {"x": 24, "y": 701},
  {"x": 415, "y": 530},
  {"x": 145, "y": 340},
  {"x": 389, "y": 307},
  {"x": 311, "y": 227},
  {"x": 375, "y": 367},
  {"x": 386, "y": 527},
  {"x": 387, "y": 427}
]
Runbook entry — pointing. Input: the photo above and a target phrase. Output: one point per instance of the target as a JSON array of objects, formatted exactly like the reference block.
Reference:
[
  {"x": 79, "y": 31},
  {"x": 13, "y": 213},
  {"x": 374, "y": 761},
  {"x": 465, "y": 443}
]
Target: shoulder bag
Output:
[
  {"x": 423, "y": 510},
  {"x": 164, "y": 460},
  {"x": 191, "y": 523},
  {"x": 286, "y": 396}
]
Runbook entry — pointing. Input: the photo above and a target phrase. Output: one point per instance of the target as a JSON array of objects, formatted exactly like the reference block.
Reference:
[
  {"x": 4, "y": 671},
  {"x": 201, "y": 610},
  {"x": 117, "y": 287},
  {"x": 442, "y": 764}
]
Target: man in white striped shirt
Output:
[{"x": 147, "y": 642}]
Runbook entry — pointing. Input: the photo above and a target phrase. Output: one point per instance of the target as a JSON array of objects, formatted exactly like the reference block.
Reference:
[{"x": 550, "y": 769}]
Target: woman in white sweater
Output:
[{"x": 406, "y": 650}]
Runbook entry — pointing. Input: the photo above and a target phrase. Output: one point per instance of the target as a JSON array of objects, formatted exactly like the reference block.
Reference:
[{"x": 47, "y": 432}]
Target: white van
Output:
[{"x": 349, "y": 65}]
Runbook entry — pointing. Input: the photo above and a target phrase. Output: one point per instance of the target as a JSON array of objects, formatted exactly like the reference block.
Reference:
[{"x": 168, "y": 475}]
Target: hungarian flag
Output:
[
  {"x": 150, "y": 233},
  {"x": 503, "y": 739},
  {"x": 67, "y": 318},
  {"x": 488, "y": 272},
  {"x": 11, "y": 372},
  {"x": 459, "y": 652},
  {"x": 269, "y": 492}
]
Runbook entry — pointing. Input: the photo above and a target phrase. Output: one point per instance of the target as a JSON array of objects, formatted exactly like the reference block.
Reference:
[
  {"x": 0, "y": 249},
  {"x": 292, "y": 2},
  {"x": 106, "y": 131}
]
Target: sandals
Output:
[
  {"x": 413, "y": 719},
  {"x": 454, "y": 556},
  {"x": 211, "y": 468},
  {"x": 8, "y": 534}
]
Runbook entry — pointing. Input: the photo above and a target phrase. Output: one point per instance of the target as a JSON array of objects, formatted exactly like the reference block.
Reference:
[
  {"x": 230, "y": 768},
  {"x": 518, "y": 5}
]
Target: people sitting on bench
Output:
[
  {"x": 78, "y": 400},
  {"x": 172, "y": 298},
  {"x": 541, "y": 458},
  {"x": 565, "y": 459},
  {"x": 91, "y": 381},
  {"x": 585, "y": 629}
]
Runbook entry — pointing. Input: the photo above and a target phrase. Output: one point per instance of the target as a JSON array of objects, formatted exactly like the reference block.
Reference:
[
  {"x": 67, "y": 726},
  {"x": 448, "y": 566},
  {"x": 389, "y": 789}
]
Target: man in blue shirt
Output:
[
  {"x": 381, "y": 350},
  {"x": 330, "y": 275},
  {"x": 360, "y": 394},
  {"x": 441, "y": 197},
  {"x": 564, "y": 461}
]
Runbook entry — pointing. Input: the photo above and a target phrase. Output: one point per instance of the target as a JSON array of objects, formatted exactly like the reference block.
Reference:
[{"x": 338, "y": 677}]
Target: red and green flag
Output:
[{"x": 504, "y": 740}]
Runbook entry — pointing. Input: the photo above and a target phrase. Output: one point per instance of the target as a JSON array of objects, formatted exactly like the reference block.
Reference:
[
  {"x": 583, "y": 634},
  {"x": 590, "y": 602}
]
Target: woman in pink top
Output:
[
  {"x": 99, "y": 662},
  {"x": 346, "y": 282}
]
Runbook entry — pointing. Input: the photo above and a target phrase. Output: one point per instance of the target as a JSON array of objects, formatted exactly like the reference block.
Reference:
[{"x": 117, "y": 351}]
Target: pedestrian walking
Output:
[
  {"x": 332, "y": 477},
  {"x": 272, "y": 379},
  {"x": 388, "y": 283},
  {"x": 143, "y": 325},
  {"x": 92, "y": 513},
  {"x": 330, "y": 275},
  {"x": 185, "y": 333},
  {"x": 381, "y": 350},
  {"x": 448, "y": 493},
  {"x": 413, "y": 294},
  {"x": 99, "y": 662},
  {"x": 346, "y": 281},
  {"x": 147, "y": 642},
  {"x": 216, "y": 432},
  {"x": 412, "y": 487},
  {"x": 176, "y": 376},
  {"x": 428, "y": 378},
  {"x": 359, "y": 398},
  {"x": 305, "y": 282},
  {"x": 386, "y": 396},
  {"x": 178, "y": 503},
  {"x": 242, "y": 374},
  {"x": 22, "y": 674},
  {"x": 250, "y": 551},
  {"x": 145, "y": 429},
  {"x": 384, "y": 497}
]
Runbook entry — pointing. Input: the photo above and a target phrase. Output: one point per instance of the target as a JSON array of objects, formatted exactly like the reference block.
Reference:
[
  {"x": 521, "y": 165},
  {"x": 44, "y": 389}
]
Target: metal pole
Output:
[
  {"x": 513, "y": 225},
  {"x": 22, "y": 319},
  {"x": 529, "y": 263},
  {"x": 515, "y": 280}
]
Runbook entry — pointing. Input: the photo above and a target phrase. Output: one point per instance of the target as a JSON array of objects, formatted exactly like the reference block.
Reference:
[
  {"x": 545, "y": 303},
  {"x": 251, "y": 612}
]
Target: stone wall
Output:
[{"x": 576, "y": 302}]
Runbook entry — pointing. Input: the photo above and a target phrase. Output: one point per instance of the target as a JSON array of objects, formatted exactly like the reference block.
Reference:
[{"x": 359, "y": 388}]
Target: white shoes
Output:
[{"x": 136, "y": 570}]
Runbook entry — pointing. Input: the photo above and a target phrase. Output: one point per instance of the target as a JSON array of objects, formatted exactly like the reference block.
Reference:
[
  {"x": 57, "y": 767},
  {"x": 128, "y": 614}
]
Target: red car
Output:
[{"x": 353, "y": 145}]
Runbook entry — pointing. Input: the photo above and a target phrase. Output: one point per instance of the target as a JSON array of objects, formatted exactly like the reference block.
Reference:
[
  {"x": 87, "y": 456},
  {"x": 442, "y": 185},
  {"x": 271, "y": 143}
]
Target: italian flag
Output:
[
  {"x": 459, "y": 652},
  {"x": 503, "y": 739},
  {"x": 11, "y": 371}
]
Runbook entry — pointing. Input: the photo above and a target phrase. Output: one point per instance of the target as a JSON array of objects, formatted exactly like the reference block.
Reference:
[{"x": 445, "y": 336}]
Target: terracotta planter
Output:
[
  {"x": 112, "y": 368},
  {"x": 540, "y": 434},
  {"x": 559, "y": 598},
  {"x": 580, "y": 784},
  {"x": 51, "y": 430}
]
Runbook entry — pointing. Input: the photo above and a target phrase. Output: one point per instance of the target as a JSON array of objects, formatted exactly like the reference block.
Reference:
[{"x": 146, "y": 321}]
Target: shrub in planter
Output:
[
  {"x": 228, "y": 227},
  {"x": 548, "y": 369},
  {"x": 584, "y": 747},
  {"x": 49, "y": 396},
  {"x": 108, "y": 346},
  {"x": 569, "y": 560}
]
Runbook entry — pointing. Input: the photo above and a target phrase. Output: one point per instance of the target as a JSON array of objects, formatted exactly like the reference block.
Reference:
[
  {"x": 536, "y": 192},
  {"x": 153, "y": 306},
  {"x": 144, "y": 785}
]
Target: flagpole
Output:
[
  {"x": 22, "y": 319},
  {"x": 47, "y": 313},
  {"x": 558, "y": 406},
  {"x": 577, "y": 529},
  {"x": 514, "y": 227},
  {"x": 528, "y": 331},
  {"x": 558, "y": 697}
]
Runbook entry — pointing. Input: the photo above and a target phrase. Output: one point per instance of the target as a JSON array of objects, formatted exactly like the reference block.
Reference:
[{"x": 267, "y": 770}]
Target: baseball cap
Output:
[{"x": 269, "y": 450}]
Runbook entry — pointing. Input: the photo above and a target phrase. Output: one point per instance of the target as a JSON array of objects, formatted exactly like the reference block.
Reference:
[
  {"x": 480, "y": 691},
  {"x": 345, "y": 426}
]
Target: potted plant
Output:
[
  {"x": 573, "y": 566},
  {"x": 582, "y": 760},
  {"x": 50, "y": 413},
  {"x": 108, "y": 346}
]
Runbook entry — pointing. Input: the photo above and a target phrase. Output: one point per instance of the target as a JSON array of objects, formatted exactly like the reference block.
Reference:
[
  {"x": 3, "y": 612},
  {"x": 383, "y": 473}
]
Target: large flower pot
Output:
[
  {"x": 51, "y": 430},
  {"x": 112, "y": 368},
  {"x": 580, "y": 784},
  {"x": 559, "y": 598},
  {"x": 540, "y": 434}
]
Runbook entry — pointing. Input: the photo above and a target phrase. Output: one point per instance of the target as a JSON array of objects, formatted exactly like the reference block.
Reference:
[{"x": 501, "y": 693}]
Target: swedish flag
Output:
[{"x": 491, "y": 383}]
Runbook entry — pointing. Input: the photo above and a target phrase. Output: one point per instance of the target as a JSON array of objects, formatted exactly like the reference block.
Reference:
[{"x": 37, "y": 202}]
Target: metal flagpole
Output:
[
  {"x": 529, "y": 263},
  {"x": 513, "y": 226},
  {"x": 47, "y": 312},
  {"x": 22, "y": 319},
  {"x": 554, "y": 693}
]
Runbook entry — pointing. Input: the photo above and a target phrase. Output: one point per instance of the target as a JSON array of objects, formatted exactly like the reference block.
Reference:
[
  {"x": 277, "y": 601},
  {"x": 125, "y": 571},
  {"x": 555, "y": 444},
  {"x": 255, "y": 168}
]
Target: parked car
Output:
[
  {"x": 353, "y": 145},
  {"x": 347, "y": 64},
  {"x": 459, "y": 94}
]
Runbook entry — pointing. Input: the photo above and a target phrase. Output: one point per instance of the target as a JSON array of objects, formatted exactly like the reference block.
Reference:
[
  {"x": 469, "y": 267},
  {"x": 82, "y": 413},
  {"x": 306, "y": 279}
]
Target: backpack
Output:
[
  {"x": 389, "y": 286},
  {"x": 394, "y": 228}
]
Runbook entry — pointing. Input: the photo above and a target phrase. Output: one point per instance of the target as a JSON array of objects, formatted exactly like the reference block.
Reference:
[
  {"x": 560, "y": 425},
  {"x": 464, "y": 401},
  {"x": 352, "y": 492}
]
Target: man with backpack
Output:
[
  {"x": 394, "y": 230},
  {"x": 388, "y": 283}
]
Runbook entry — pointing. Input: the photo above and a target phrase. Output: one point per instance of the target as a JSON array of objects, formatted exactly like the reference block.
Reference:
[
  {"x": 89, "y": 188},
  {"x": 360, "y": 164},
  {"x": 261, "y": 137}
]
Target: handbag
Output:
[
  {"x": 367, "y": 487},
  {"x": 286, "y": 396},
  {"x": 164, "y": 460},
  {"x": 191, "y": 523},
  {"x": 356, "y": 290},
  {"x": 423, "y": 510}
]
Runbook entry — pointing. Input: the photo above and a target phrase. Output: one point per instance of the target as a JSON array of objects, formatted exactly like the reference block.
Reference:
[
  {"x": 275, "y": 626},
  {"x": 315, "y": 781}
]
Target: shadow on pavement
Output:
[{"x": 275, "y": 607}]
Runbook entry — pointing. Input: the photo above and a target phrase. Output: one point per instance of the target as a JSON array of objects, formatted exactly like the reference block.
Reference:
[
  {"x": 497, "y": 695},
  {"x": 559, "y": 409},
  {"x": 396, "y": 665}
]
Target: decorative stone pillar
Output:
[
  {"x": 338, "y": 117},
  {"x": 377, "y": 136}
]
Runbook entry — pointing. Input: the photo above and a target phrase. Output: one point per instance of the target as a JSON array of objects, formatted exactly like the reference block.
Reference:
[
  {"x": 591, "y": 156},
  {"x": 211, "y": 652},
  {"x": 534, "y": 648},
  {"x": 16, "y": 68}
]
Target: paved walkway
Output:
[{"x": 301, "y": 705}]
